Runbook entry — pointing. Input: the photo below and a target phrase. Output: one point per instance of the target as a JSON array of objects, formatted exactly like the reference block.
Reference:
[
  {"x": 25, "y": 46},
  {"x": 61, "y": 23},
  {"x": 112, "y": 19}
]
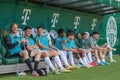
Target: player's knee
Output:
[
  {"x": 24, "y": 53},
  {"x": 55, "y": 53},
  {"x": 38, "y": 52}
]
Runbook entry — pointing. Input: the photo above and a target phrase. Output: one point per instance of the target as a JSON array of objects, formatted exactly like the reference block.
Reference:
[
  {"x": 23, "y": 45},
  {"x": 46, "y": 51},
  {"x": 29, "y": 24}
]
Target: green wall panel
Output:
[{"x": 12, "y": 11}]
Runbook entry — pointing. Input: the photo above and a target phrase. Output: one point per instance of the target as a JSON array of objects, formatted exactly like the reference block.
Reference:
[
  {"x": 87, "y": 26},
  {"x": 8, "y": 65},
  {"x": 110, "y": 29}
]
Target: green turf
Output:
[{"x": 109, "y": 72}]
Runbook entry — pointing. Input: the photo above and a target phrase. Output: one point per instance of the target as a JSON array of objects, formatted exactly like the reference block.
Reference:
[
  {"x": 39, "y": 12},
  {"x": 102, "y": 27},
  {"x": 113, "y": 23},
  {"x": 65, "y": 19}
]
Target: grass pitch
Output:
[{"x": 108, "y": 72}]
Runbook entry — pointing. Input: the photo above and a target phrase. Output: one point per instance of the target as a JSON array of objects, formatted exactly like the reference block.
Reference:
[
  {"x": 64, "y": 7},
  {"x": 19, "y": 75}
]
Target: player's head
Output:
[
  {"x": 95, "y": 35},
  {"x": 28, "y": 31},
  {"x": 70, "y": 34},
  {"x": 40, "y": 30},
  {"x": 61, "y": 32},
  {"x": 84, "y": 35},
  {"x": 14, "y": 28},
  {"x": 88, "y": 35}
]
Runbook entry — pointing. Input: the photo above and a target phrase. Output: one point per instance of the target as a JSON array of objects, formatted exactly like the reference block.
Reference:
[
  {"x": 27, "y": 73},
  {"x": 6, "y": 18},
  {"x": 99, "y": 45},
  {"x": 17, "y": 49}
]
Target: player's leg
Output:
[
  {"x": 111, "y": 55},
  {"x": 36, "y": 53},
  {"x": 54, "y": 54},
  {"x": 89, "y": 57},
  {"x": 85, "y": 63},
  {"x": 110, "y": 52},
  {"x": 25, "y": 55},
  {"x": 96, "y": 54},
  {"x": 44, "y": 54},
  {"x": 63, "y": 57},
  {"x": 102, "y": 56}
]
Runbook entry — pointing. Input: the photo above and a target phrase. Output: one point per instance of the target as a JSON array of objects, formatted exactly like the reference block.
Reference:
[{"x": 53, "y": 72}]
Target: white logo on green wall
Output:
[
  {"x": 55, "y": 18},
  {"x": 76, "y": 22},
  {"x": 25, "y": 17},
  {"x": 93, "y": 25},
  {"x": 111, "y": 31}
]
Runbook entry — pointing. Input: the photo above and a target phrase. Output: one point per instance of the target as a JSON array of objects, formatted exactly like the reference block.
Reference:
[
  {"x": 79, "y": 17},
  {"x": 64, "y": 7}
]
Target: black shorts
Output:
[{"x": 29, "y": 53}]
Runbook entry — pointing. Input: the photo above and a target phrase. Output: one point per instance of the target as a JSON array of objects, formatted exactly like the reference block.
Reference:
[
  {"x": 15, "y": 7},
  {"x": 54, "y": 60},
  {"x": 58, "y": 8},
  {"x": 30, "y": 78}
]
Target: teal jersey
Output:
[
  {"x": 43, "y": 40},
  {"x": 17, "y": 48},
  {"x": 31, "y": 42},
  {"x": 70, "y": 44},
  {"x": 73, "y": 44},
  {"x": 59, "y": 41}
]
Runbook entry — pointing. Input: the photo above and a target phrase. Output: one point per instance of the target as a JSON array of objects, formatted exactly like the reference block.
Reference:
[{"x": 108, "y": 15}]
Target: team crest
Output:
[{"x": 111, "y": 31}]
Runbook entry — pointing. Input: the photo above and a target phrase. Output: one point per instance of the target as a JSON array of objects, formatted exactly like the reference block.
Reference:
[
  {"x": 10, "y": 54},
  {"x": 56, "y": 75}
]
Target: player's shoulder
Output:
[{"x": 90, "y": 38}]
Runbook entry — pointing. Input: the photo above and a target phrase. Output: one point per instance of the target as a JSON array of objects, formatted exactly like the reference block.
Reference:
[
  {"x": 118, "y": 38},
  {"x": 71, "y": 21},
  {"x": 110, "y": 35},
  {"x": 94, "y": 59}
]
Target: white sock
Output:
[
  {"x": 85, "y": 61},
  {"x": 71, "y": 58},
  {"x": 63, "y": 58},
  {"x": 55, "y": 64},
  {"x": 87, "y": 58},
  {"x": 89, "y": 55},
  {"x": 98, "y": 61},
  {"x": 103, "y": 60},
  {"x": 81, "y": 61},
  {"x": 58, "y": 62},
  {"x": 49, "y": 63},
  {"x": 111, "y": 56}
]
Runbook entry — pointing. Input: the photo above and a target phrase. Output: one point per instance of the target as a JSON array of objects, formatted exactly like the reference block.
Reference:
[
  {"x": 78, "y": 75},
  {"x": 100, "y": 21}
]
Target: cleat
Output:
[
  {"x": 66, "y": 71},
  {"x": 106, "y": 63},
  {"x": 88, "y": 66},
  {"x": 69, "y": 67},
  {"x": 75, "y": 66},
  {"x": 34, "y": 73},
  {"x": 56, "y": 72},
  {"x": 57, "y": 69},
  {"x": 113, "y": 61},
  {"x": 93, "y": 64},
  {"x": 100, "y": 64}
]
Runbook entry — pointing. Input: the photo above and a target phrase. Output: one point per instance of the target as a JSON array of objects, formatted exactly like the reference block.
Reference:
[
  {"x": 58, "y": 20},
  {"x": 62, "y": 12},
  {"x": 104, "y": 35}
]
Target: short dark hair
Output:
[
  {"x": 60, "y": 31},
  {"x": 70, "y": 33},
  {"x": 39, "y": 27},
  {"x": 28, "y": 27},
  {"x": 94, "y": 33},
  {"x": 83, "y": 34}
]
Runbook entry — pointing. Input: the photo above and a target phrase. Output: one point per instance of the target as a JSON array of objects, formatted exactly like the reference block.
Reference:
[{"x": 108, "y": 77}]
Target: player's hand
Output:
[
  {"x": 71, "y": 49},
  {"x": 50, "y": 49},
  {"x": 36, "y": 46},
  {"x": 79, "y": 48},
  {"x": 21, "y": 40},
  {"x": 29, "y": 48},
  {"x": 56, "y": 49}
]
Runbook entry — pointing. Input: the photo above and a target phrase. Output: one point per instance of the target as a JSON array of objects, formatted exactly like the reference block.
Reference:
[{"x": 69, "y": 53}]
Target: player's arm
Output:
[
  {"x": 35, "y": 46},
  {"x": 63, "y": 46},
  {"x": 52, "y": 46},
  {"x": 11, "y": 45}
]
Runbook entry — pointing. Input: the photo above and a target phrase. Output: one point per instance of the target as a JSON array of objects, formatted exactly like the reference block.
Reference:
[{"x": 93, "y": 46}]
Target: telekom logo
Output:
[
  {"x": 55, "y": 18},
  {"x": 25, "y": 17},
  {"x": 76, "y": 22}
]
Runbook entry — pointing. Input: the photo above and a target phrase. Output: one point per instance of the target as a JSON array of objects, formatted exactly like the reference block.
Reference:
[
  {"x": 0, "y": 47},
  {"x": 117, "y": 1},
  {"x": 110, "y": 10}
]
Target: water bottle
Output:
[{"x": 47, "y": 69}]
